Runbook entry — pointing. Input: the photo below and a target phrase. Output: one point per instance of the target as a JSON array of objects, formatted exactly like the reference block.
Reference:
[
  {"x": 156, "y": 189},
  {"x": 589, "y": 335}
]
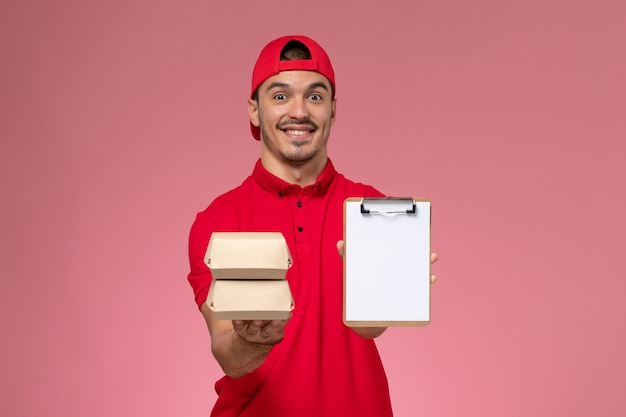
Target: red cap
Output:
[{"x": 269, "y": 64}]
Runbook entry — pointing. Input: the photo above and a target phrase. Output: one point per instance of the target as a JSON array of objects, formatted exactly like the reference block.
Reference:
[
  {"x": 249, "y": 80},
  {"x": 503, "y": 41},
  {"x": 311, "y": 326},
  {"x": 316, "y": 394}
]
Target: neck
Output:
[{"x": 301, "y": 174}]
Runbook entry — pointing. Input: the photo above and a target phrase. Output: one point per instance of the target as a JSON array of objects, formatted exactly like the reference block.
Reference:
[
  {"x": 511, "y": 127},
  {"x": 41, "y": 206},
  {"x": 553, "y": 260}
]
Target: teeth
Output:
[{"x": 297, "y": 132}]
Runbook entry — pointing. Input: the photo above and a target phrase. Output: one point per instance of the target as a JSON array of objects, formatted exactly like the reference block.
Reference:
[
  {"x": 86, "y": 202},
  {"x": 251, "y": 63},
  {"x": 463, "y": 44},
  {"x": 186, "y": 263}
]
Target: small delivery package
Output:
[{"x": 249, "y": 276}]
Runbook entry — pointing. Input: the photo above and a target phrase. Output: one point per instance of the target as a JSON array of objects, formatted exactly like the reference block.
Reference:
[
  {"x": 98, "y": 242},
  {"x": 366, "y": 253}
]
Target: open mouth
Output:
[
  {"x": 298, "y": 132},
  {"x": 297, "y": 128}
]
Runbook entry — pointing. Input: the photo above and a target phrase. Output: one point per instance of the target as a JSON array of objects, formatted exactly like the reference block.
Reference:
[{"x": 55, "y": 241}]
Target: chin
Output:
[{"x": 299, "y": 159}]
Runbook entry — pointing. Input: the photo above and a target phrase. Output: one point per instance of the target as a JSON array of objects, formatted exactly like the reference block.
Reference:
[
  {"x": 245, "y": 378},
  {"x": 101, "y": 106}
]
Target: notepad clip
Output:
[{"x": 389, "y": 205}]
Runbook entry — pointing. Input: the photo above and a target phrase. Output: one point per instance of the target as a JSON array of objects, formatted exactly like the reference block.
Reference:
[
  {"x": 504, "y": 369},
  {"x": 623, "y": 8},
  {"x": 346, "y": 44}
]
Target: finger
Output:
[
  {"x": 254, "y": 327},
  {"x": 239, "y": 324},
  {"x": 434, "y": 258},
  {"x": 433, "y": 279},
  {"x": 272, "y": 328},
  {"x": 340, "y": 247}
]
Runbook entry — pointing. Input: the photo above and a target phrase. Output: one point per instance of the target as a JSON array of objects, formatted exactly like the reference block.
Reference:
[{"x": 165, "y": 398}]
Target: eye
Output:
[
  {"x": 280, "y": 96},
  {"x": 315, "y": 96}
]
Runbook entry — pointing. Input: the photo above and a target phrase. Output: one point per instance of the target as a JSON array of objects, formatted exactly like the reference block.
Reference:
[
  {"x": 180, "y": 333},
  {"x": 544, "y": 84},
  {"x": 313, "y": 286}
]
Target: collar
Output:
[{"x": 280, "y": 188}]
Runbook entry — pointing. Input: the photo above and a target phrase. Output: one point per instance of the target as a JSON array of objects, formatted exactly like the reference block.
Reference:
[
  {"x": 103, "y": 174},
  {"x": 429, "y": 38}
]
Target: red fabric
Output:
[
  {"x": 268, "y": 63},
  {"x": 321, "y": 368}
]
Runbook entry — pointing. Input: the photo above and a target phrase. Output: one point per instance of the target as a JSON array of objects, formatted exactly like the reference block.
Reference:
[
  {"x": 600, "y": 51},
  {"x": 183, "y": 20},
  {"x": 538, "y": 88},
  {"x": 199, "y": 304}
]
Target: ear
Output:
[
  {"x": 253, "y": 112},
  {"x": 333, "y": 112}
]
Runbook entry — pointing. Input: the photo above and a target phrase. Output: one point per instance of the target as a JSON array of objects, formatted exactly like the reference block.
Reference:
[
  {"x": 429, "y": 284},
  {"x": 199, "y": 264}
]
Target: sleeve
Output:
[
  {"x": 199, "y": 275},
  {"x": 217, "y": 217}
]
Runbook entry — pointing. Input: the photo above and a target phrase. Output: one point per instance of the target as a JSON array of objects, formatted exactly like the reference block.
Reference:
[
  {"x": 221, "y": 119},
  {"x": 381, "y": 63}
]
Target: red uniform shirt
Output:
[{"x": 321, "y": 368}]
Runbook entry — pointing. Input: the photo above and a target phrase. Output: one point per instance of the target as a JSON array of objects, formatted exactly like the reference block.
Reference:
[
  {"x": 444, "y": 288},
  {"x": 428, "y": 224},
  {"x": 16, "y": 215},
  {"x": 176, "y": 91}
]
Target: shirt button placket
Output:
[{"x": 299, "y": 217}]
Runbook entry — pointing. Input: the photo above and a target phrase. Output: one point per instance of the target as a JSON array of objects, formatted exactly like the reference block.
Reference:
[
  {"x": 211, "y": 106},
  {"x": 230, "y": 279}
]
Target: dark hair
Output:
[{"x": 294, "y": 50}]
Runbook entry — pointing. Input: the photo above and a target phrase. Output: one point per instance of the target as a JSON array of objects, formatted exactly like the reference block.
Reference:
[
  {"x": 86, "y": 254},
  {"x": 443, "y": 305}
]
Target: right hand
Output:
[{"x": 263, "y": 332}]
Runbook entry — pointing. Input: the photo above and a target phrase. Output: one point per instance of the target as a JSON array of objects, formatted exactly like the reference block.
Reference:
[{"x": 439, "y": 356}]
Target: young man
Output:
[{"x": 312, "y": 364}]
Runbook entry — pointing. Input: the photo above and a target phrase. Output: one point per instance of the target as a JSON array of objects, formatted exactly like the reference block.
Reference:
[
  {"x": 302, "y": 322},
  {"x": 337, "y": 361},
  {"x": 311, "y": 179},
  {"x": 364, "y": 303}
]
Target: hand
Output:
[
  {"x": 433, "y": 258},
  {"x": 263, "y": 332}
]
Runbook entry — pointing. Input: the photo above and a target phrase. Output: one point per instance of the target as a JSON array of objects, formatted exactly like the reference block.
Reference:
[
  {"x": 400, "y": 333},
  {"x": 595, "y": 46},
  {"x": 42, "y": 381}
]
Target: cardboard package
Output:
[{"x": 249, "y": 270}]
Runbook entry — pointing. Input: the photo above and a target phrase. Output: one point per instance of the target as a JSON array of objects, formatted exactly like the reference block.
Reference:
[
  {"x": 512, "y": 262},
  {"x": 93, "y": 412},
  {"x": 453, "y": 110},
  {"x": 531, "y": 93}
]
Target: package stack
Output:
[{"x": 249, "y": 276}]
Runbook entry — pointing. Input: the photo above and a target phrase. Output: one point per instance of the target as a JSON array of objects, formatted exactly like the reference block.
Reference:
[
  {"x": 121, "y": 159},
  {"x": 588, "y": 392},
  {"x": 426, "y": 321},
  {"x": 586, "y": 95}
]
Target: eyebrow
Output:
[
  {"x": 318, "y": 84},
  {"x": 277, "y": 84}
]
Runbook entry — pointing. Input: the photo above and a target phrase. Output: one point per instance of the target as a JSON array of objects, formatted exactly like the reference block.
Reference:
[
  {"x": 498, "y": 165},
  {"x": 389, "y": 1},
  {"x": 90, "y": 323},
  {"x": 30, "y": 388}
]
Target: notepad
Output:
[{"x": 387, "y": 262}]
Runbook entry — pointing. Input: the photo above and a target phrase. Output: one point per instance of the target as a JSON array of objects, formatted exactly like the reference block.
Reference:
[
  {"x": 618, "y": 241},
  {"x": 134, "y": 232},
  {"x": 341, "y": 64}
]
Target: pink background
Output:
[{"x": 121, "y": 119}]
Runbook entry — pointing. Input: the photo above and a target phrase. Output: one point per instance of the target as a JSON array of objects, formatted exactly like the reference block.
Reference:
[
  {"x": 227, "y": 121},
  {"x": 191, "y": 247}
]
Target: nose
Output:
[{"x": 299, "y": 109}]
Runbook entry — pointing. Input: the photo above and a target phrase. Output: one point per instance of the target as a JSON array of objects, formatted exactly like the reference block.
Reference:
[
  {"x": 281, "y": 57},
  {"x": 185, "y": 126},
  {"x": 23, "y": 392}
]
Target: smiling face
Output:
[{"x": 294, "y": 111}]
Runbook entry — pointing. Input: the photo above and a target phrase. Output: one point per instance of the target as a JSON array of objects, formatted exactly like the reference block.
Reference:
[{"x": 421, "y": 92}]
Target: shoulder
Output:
[
  {"x": 354, "y": 188},
  {"x": 225, "y": 206}
]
